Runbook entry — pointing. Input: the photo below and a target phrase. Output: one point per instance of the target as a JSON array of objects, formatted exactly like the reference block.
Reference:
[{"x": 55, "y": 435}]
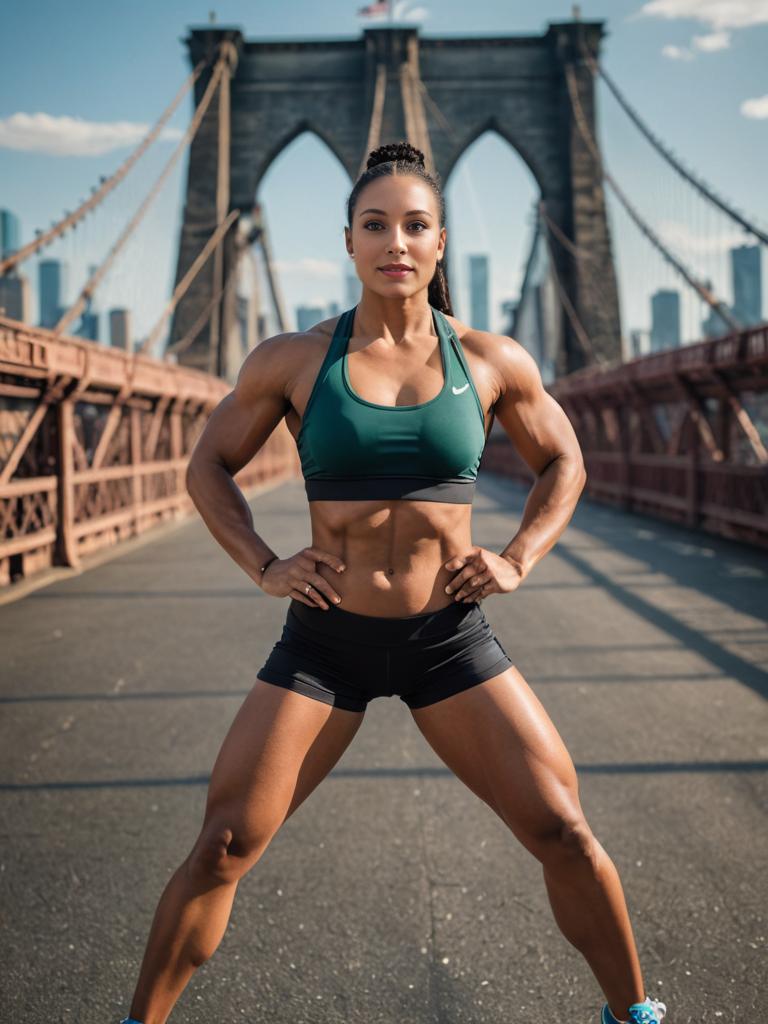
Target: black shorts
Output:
[{"x": 347, "y": 659}]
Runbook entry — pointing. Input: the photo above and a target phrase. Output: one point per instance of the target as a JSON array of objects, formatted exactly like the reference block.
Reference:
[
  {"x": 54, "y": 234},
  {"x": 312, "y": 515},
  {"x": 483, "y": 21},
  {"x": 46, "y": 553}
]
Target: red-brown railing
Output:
[
  {"x": 680, "y": 434},
  {"x": 94, "y": 444}
]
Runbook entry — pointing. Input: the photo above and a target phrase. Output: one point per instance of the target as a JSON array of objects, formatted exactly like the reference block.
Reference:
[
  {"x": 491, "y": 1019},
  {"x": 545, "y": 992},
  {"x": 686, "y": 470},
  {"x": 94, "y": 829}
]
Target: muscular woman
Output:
[{"x": 390, "y": 405}]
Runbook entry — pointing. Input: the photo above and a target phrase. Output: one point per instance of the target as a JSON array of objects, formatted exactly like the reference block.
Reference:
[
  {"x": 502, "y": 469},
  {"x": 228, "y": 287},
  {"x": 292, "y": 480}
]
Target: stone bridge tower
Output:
[{"x": 359, "y": 93}]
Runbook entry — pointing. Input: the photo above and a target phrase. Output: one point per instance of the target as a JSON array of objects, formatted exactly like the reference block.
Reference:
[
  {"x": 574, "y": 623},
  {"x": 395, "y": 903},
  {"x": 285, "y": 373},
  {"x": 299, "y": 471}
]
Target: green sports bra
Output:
[{"x": 352, "y": 449}]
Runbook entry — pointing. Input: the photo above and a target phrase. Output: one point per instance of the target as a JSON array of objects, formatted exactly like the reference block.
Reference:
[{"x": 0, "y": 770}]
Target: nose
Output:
[{"x": 396, "y": 245}]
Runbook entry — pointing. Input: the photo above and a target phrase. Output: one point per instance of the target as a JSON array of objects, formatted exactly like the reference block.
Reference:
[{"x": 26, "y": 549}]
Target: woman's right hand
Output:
[{"x": 297, "y": 577}]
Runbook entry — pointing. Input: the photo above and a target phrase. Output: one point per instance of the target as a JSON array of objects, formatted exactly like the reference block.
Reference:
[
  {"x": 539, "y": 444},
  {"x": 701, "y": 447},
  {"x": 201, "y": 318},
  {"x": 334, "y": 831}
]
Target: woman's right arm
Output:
[{"x": 235, "y": 431}]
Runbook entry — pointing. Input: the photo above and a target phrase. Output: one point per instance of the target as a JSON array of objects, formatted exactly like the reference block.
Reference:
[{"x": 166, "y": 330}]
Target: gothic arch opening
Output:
[
  {"x": 303, "y": 193},
  {"x": 490, "y": 197}
]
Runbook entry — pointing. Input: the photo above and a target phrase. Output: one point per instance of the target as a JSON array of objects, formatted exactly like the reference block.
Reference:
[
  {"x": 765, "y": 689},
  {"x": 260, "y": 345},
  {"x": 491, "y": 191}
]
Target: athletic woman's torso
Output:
[{"x": 394, "y": 548}]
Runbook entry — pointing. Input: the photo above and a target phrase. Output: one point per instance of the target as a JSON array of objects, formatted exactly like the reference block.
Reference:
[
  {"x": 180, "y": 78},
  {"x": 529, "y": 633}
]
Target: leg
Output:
[
  {"x": 280, "y": 745},
  {"x": 499, "y": 740}
]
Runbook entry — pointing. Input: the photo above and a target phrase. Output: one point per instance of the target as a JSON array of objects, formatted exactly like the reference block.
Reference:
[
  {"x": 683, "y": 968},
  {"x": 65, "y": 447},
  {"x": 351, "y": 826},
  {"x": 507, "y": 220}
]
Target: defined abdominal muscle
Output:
[{"x": 394, "y": 551}]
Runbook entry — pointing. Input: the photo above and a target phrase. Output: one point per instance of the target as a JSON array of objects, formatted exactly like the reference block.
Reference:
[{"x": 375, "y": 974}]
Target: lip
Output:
[{"x": 400, "y": 272}]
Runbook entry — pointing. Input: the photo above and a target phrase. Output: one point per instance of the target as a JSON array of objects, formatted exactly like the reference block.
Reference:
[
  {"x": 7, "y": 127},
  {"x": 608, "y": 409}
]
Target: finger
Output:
[
  {"x": 460, "y": 578},
  {"x": 458, "y": 561},
  {"x": 297, "y": 595},
  {"x": 474, "y": 583},
  {"x": 321, "y": 584},
  {"x": 314, "y": 594},
  {"x": 324, "y": 556}
]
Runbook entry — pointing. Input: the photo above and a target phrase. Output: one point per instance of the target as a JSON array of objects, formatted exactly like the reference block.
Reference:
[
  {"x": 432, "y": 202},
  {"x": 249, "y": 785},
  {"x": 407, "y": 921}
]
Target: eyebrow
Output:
[{"x": 384, "y": 212}]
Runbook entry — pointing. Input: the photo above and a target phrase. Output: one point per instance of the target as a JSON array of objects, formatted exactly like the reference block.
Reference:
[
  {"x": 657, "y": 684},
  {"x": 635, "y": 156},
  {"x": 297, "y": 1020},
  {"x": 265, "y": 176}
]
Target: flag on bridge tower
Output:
[{"x": 374, "y": 9}]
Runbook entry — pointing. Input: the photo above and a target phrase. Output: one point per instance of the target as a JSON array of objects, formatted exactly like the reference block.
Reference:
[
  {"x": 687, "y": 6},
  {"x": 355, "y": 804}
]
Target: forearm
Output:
[
  {"x": 548, "y": 510},
  {"x": 227, "y": 515}
]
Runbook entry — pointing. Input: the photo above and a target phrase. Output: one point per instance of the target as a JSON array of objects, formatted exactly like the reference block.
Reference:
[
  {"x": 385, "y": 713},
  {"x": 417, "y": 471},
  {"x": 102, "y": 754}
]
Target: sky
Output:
[{"x": 80, "y": 83}]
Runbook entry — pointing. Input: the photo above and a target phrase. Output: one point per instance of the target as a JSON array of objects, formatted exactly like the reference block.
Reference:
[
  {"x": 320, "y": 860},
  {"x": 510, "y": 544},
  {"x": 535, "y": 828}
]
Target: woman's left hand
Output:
[{"x": 482, "y": 573}]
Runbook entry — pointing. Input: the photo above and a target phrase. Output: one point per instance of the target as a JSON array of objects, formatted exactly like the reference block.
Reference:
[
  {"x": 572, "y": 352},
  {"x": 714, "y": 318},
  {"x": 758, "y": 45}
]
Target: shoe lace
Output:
[{"x": 652, "y": 1011}]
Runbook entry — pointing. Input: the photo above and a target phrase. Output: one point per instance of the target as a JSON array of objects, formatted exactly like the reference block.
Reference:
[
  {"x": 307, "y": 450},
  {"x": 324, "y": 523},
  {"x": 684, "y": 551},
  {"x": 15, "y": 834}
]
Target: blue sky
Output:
[{"x": 694, "y": 69}]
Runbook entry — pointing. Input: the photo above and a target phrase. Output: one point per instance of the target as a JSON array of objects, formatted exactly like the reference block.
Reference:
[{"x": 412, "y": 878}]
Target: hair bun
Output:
[{"x": 399, "y": 152}]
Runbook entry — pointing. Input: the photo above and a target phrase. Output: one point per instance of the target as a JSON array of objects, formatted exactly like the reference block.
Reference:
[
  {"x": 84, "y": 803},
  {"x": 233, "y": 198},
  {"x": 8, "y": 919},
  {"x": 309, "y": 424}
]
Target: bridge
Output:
[{"x": 131, "y": 638}]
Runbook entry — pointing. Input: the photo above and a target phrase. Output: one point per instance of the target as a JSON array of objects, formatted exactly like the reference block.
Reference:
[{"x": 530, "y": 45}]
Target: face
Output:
[{"x": 396, "y": 220}]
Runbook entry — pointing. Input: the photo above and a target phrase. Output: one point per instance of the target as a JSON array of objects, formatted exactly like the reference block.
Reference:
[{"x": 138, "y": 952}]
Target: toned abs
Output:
[{"x": 395, "y": 550}]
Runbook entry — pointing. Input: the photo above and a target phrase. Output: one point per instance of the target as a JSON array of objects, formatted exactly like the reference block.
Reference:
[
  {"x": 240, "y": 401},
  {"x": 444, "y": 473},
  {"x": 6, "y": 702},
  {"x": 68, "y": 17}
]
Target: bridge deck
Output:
[{"x": 393, "y": 894}]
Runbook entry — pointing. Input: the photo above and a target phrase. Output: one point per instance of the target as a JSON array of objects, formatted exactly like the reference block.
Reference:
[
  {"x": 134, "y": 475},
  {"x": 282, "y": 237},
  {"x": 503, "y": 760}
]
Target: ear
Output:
[
  {"x": 441, "y": 244},
  {"x": 348, "y": 240}
]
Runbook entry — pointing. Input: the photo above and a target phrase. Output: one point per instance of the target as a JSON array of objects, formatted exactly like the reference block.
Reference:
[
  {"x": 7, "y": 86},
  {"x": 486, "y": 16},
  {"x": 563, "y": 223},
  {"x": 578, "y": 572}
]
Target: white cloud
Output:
[
  {"x": 400, "y": 12},
  {"x": 310, "y": 269},
  {"x": 717, "y": 14},
  {"x": 713, "y": 41},
  {"x": 72, "y": 136},
  {"x": 676, "y": 53},
  {"x": 755, "y": 108},
  {"x": 685, "y": 243}
]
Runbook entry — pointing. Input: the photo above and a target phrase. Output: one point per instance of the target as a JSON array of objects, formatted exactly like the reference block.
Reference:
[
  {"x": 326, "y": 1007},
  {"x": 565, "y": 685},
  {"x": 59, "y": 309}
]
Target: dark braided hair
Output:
[{"x": 403, "y": 158}]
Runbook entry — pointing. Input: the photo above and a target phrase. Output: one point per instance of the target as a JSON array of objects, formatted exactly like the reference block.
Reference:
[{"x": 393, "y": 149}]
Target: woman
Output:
[{"x": 390, "y": 405}]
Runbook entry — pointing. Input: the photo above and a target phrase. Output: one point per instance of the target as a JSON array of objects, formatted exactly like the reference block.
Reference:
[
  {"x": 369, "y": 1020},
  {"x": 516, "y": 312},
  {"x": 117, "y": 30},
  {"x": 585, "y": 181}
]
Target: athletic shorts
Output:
[{"x": 346, "y": 659}]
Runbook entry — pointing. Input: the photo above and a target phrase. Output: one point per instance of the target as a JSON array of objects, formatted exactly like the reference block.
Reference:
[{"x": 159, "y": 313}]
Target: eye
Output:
[{"x": 412, "y": 224}]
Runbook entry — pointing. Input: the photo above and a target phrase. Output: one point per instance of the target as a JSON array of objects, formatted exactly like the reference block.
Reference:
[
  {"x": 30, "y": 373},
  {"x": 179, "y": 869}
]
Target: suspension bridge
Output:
[{"x": 643, "y": 631}]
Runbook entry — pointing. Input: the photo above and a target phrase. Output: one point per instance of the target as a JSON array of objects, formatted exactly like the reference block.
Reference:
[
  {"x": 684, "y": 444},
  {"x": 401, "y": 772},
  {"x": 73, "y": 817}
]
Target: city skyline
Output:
[{"x": 490, "y": 194}]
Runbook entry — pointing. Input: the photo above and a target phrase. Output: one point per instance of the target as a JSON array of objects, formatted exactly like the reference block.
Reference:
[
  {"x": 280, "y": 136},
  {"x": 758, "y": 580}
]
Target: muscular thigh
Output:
[
  {"x": 499, "y": 740},
  {"x": 279, "y": 746}
]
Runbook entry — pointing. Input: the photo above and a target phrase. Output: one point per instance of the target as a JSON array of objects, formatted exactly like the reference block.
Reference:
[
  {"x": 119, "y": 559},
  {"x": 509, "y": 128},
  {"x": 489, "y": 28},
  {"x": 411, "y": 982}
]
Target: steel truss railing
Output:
[
  {"x": 94, "y": 444},
  {"x": 679, "y": 434}
]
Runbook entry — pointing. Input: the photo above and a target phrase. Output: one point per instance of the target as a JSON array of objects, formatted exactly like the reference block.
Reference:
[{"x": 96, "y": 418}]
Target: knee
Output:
[
  {"x": 223, "y": 854},
  {"x": 565, "y": 839}
]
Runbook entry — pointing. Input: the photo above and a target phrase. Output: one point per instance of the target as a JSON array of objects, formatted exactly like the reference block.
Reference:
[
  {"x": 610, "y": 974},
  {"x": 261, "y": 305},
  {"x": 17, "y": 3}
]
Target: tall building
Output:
[
  {"x": 89, "y": 321},
  {"x": 665, "y": 320},
  {"x": 14, "y": 298},
  {"x": 352, "y": 289},
  {"x": 52, "y": 281},
  {"x": 306, "y": 316},
  {"x": 120, "y": 329},
  {"x": 478, "y": 292},
  {"x": 747, "y": 284},
  {"x": 10, "y": 231}
]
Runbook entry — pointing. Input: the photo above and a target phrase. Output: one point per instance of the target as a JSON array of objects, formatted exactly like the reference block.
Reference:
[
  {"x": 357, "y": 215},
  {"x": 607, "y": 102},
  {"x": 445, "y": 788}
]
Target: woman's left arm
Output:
[{"x": 542, "y": 434}]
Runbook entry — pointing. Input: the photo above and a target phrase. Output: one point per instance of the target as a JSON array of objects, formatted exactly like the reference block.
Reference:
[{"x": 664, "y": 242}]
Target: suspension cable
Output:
[
  {"x": 187, "y": 280},
  {"x": 374, "y": 125},
  {"x": 578, "y": 328},
  {"x": 705, "y": 190},
  {"x": 108, "y": 185},
  {"x": 586, "y": 134},
  {"x": 184, "y": 343},
  {"x": 93, "y": 282}
]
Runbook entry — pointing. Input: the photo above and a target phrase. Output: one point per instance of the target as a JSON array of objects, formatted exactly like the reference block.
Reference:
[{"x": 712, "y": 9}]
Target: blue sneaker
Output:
[{"x": 652, "y": 1011}]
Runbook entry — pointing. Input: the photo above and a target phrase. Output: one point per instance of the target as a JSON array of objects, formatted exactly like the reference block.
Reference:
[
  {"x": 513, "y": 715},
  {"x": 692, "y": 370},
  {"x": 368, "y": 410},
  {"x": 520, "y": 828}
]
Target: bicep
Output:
[
  {"x": 533, "y": 420},
  {"x": 244, "y": 419}
]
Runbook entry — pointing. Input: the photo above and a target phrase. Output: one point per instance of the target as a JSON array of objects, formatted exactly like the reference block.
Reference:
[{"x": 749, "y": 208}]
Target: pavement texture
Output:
[{"x": 393, "y": 895}]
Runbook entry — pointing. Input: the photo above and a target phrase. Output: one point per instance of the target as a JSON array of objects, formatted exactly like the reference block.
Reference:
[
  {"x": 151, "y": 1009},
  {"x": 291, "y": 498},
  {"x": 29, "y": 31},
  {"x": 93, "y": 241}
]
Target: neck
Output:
[{"x": 394, "y": 319}]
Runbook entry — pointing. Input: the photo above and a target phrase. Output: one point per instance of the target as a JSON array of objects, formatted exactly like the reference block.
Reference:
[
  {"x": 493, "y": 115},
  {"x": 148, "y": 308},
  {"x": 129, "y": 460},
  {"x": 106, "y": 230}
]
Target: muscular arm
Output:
[
  {"x": 545, "y": 439},
  {"x": 235, "y": 431}
]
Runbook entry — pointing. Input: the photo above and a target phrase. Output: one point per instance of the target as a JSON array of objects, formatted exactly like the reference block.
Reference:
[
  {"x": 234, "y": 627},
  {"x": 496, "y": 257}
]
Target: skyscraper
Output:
[
  {"x": 352, "y": 289},
  {"x": 89, "y": 321},
  {"x": 478, "y": 292},
  {"x": 306, "y": 316},
  {"x": 10, "y": 230},
  {"x": 665, "y": 320},
  {"x": 52, "y": 278},
  {"x": 747, "y": 285},
  {"x": 120, "y": 329},
  {"x": 14, "y": 297}
]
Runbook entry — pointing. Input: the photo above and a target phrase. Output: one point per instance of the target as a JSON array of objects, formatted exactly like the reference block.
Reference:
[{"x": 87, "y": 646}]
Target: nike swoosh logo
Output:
[{"x": 458, "y": 391}]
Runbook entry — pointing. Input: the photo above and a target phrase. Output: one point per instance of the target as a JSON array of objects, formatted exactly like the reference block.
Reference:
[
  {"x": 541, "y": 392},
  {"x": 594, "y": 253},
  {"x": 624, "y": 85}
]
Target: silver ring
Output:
[{"x": 307, "y": 588}]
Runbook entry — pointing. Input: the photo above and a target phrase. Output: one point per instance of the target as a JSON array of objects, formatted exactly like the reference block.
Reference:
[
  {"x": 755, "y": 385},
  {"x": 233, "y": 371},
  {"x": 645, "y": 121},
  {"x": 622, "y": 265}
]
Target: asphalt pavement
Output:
[{"x": 393, "y": 895}]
